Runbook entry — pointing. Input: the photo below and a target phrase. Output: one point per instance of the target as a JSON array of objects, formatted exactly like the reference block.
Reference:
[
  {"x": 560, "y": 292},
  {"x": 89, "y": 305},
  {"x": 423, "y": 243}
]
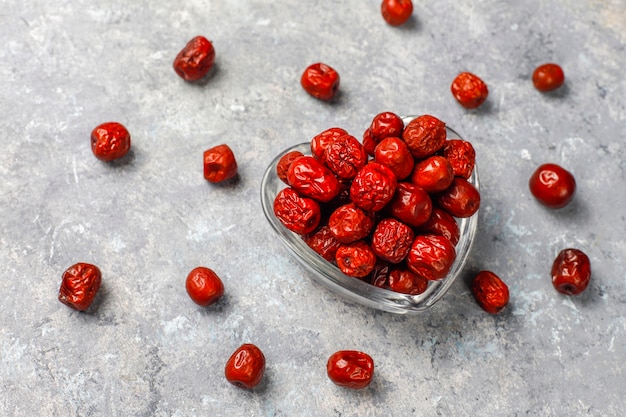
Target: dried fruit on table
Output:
[
  {"x": 320, "y": 80},
  {"x": 350, "y": 369},
  {"x": 245, "y": 367},
  {"x": 219, "y": 164},
  {"x": 491, "y": 293},
  {"x": 469, "y": 90},
  {"x": 204, "y": 286},
  {"x": 110, "y": 141},
  {"x": 571, "y": 271},
  {"x": 195, "y": 60},
  {"x": 79, "y": 286}
]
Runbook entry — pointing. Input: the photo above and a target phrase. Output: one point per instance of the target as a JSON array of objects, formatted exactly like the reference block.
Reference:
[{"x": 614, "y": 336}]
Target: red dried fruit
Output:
[
  {"x": 406, "y": 282},
  {"x": 369, "y": 144},
  {"x": 349, "y": 223},
  {"x": 320, "y": 81},
  {"x": 411, "y": 204},
  {"x": 571, "y": 272},
  {"x": 461, "y": 155},
  {"x": 110, "y": 141},
  {"x": 323, "y": 243},
  {"x": 299, "y": 214},
  {"x": 355, "y": 259},
  {"x": 312, "y": 179},
  {"x": 79, "y": 286},
  {"x": 284, "y": 163},
  {"x": 552, "y": 186},
  {"x": 394, "y": 154},
  {"x": 433, "y": 174},
  {"x": 461, "y": 199},
  {"x": 219, "y": 164},
  {"x": 350, "y": 369},
  {"x": 385, "y": 125},
  {"x": 321, "y": 141},
  {"x": 245, "y": 367},
  {"x": 431, "y": 257},
  {"x": 204, "y": 286},
  {"x": 373, "y": 187},
  {"x": 391, "y": 240},
  {"x": 195, "y": 60},
  {"x": 491, "y": 293},
  {"x": 380, "y": 274},
  {"x": 424, "y": 135},
  {"x": 469, "y": 90},
  {"x": 345, "y": 156},
  {"x": 548, "y": 77},
  {"x": 442, "y": 223},
  {"x": 396, "y": 12}
]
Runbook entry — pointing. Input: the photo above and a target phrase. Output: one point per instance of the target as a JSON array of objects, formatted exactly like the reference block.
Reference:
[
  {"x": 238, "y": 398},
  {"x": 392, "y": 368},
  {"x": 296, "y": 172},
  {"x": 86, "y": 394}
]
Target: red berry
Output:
[
  {"x": 284, "y": 163},
  {"x": 548, "y": 77},
  {"x": 204, "y": 286},
  {"x": 349, "y": 223},
  {"x": 469, "y": 90},
  {"x": 299, "y": 214},
  {"x": 385, "y": 125},
  {"x": 552, "y": 186},
  {"x": 491, "y": 293},
  {"x": 433, "y": 174},
  {"x": 345, "y": 156},
  {"x": 411, "y": 204},
  {"x": 391, "y": 240},
  {"x": 406, "y": 282},
  {"x": 219, "y": 164},
  {"x": 393, "y": 153},
  {"x": 245, "y": 367},
  {"x": 431, "y": 257},
  {"x": 396, "y": 12},
  {"x": 311, "y": 178},
  {"x": 461, "y": 155},
  {"x": 110, "y": 141},
  {"x": 373, "y": 187},
  {"x": 195, "y": 60},
  {"x": 79, "y": 286},
  {"x": 442, "y": 223},
  {"x": 355, "y": 259},
  {"x": 320, "y": 81},
  {"x": 320, "y": 142},
  {"x": 350, "y": 369},
  {"x": 424, "y": 135},
  {"x": 461, "y": 199},
  {"x": 571, "y": 272},
  {"x": 323, "y": 242}
]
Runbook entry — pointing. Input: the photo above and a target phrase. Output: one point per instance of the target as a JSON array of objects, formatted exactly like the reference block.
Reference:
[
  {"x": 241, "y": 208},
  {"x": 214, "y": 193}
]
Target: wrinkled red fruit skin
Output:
[
  {"x": 391, "y": 240},
  {"x": 320, "y": 142},
  {"x": 571, "y": 272},
  {"x": 355, "y": 259},
  {"x": 373, "y": 187},
  {"x": 323, "y": 243},
  {"x": 284, "y": 163},
  {"x": 195, "y": 60},
  {"x": 219, "y": 164},
  {"x": 348, "y": 223},
  {"x": 406, "y": 282},
  {"x": 79, "y": 285},
  {"x": 552, "y": 186},
  {"x": 461, "y": 155},
  {"x": 396, "y": 12},
  {"x": 548, "y": 77},
  {"x": 110, "y": 141},
  {"x": 461, "y": 199},
  {"x": 431, "y": 257},
  {"x": 245, "y": 367},
  {"x": 490, "y": 292},
  {"x": 299, "y": 214},
  {"x": 350, "y": 369},
  {"x": 469, "y": 90},
  {"x": 311, "y": 178},
  {"x": 424, "y": 135},
  {"x": 320, "y": 81},
  {"x": 203, "y": 286},
  {"x": 345, "y": 156}
]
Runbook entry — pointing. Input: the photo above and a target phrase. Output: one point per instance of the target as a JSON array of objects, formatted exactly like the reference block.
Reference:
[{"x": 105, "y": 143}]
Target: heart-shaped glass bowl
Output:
[{"x": 355, "y": 289}]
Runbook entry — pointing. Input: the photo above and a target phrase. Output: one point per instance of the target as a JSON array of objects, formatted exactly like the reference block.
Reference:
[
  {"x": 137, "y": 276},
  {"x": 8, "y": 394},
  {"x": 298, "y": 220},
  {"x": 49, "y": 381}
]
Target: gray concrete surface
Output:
[{"x": 146, "y": 350}]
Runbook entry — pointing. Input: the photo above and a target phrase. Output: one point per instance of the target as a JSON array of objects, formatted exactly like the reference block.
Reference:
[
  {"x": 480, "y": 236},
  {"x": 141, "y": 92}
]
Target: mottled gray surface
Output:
[{"x": 145, "y": 349}]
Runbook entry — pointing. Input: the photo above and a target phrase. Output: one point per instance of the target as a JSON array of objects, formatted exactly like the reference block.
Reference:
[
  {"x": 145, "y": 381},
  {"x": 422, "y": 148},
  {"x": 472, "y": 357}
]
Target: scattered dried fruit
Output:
[
  {"x": 552, "y": 186},
  {"x": 548, "y": 77},
  {"x": 110, "y": 141},
  {"x": 204, "y": 286},
  {"x": 79, "y": 285},
  {"x": 491, "y": 293},
  {"x": 195, "y": 60},
  {"x": 219, "y": 164},
  {"x": 571, "y": 272},
  {"x": 350, "y": 369},
  {"x": 469, "y": 90},
  {"x": 320, "y": 81},
  {"x": 245, "y": 367}
]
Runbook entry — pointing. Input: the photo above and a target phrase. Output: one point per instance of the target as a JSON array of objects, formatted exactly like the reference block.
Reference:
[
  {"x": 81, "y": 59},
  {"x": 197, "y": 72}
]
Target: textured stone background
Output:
[{"x": 146, "y": 350}]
